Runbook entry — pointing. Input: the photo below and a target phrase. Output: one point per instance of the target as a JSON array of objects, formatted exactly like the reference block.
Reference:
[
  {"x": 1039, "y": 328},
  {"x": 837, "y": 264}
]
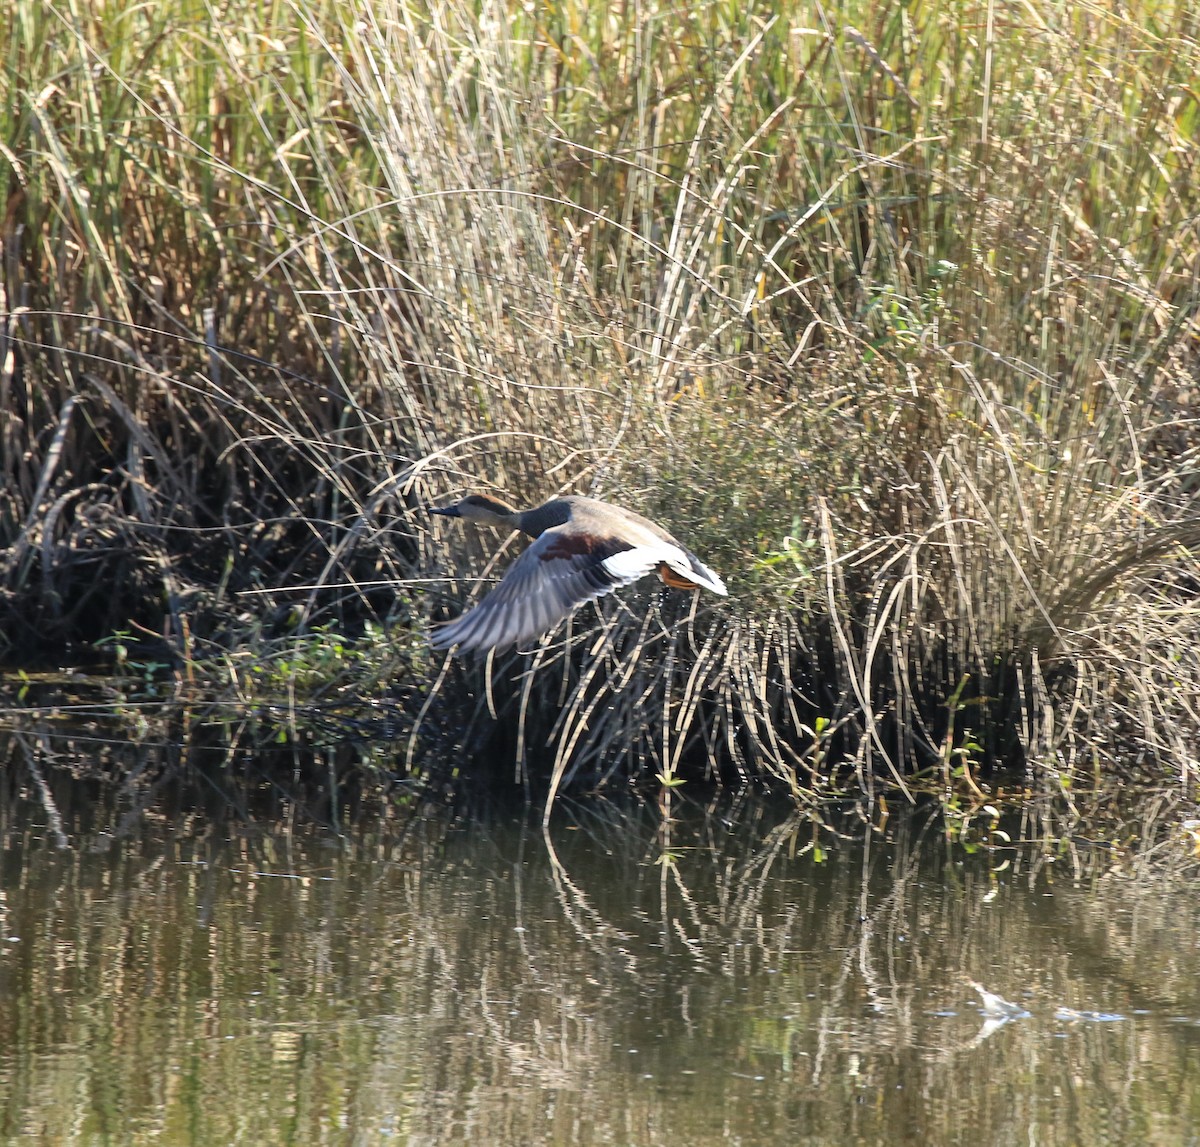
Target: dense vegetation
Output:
[{"x": 890, "y": 313}]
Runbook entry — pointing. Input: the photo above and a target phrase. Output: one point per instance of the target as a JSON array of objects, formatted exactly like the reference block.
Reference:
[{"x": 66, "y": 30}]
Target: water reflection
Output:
[{"x": 465, "y": 983}]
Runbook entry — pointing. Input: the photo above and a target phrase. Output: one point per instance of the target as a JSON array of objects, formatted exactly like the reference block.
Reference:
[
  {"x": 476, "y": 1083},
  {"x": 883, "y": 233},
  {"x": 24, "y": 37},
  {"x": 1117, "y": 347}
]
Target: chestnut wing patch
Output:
[
  {"x": 579, "y": 545},
  {"x": 586, "y": 555}
]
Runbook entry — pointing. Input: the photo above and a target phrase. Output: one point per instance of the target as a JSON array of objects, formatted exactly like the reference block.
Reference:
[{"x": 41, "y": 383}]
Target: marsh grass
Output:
[{"x": 890, "y": 315}]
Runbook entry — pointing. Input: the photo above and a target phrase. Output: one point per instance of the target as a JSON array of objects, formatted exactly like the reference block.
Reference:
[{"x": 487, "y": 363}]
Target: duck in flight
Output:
[{"x": 583, "y": 549}]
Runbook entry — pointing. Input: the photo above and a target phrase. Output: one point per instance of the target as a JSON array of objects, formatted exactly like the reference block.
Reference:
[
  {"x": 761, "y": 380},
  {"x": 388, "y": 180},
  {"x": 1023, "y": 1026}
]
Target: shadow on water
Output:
[{"x": 727, "y": 975}]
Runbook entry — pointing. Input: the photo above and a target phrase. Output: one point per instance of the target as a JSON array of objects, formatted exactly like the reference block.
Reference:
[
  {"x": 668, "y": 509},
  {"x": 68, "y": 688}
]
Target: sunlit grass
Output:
[{"x": 891, "y": 316}]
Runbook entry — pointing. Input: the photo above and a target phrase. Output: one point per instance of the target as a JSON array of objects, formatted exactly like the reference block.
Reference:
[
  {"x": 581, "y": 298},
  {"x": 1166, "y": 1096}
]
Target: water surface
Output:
[{"x": 617, "y": 983}]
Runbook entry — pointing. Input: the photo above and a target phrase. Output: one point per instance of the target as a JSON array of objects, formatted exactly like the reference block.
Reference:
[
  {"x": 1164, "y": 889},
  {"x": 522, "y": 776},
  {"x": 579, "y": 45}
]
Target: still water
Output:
[{"x": 722, "y": 979}]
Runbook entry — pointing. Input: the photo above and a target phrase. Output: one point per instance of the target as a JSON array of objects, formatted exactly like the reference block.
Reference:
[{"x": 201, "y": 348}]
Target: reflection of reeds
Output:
[
  {"x": 471, "y": 985},
  {"x": 894, "y": 324}
]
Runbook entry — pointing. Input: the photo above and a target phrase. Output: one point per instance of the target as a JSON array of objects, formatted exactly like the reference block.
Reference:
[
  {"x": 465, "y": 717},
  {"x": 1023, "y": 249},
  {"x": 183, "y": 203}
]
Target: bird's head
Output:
[{"x": 479, "y": 508}]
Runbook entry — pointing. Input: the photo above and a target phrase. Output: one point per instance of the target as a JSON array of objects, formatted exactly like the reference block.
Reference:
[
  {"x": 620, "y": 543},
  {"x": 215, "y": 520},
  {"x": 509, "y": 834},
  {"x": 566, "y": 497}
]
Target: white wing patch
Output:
[{"x": 629, "y": 565}]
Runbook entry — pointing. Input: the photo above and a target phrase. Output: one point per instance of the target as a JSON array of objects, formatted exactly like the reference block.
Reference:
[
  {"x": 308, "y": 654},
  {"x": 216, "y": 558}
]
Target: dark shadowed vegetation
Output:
[{"x": 890, "y": 314}]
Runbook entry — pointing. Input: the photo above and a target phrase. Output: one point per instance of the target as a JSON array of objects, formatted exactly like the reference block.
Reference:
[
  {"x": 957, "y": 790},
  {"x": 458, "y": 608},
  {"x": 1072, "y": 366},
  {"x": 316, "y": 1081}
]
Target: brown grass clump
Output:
[{"x": 893, "y": 319}]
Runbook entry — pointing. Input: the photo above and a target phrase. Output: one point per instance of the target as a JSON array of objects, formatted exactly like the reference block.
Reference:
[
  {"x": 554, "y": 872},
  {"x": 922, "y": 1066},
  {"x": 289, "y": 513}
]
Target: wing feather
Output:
[{"x": 556, "y": 574}]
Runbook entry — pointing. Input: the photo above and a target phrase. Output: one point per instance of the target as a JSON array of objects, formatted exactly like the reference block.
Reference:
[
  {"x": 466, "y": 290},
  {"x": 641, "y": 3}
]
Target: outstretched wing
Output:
[{"x": 556, "y": 574}]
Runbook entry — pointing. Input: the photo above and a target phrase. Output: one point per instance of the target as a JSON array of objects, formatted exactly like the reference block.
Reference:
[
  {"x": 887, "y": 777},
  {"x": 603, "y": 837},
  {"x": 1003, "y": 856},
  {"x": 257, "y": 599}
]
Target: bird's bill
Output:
[{"x": 446, "y": 511}]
